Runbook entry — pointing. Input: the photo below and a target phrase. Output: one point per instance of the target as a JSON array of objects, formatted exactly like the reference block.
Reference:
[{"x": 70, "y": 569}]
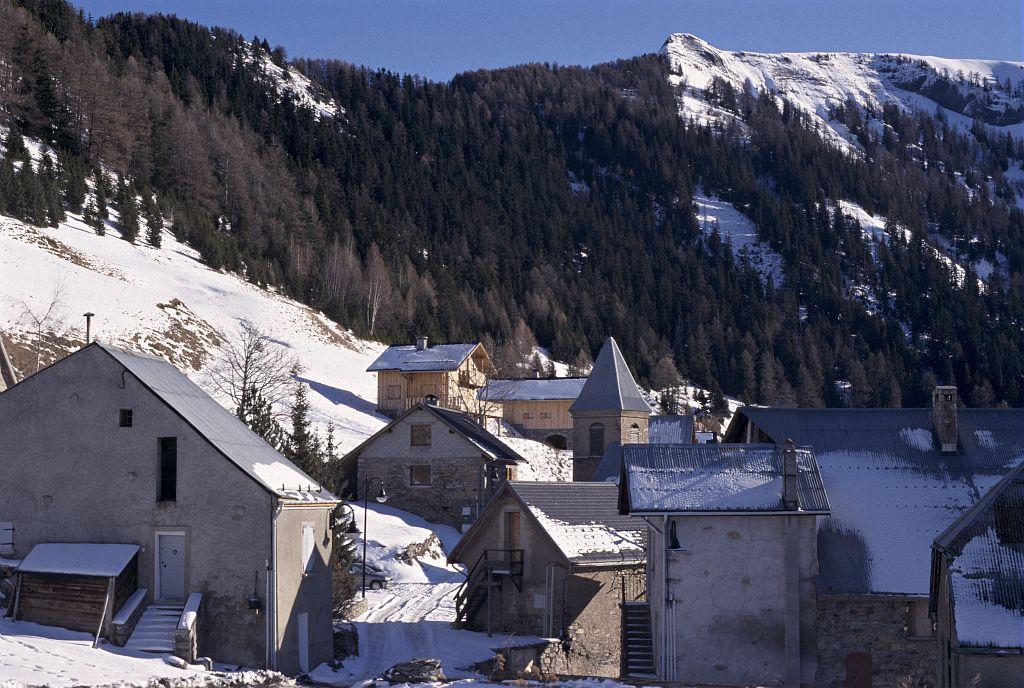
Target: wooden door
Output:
[
  {"x": 303, "y": 642},
  {"x": 170, "y": 566},
  {"x": 513, "y": 539},
  {"x": 858, "y": 670}
]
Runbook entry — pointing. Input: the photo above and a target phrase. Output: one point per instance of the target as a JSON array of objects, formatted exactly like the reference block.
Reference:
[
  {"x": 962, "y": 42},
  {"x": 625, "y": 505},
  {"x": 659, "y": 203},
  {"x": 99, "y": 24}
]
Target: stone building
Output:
[
  {"x": 448, "y": 375},
  {"x": 537, "y": 408},
  {"x": 609, "y": 409},
  {"x": 892, "y": 490},
  {"x": 113, "y": 448},
  {"x": 977, "y": 591},
  {"x": 435, "y": 462},
  {"x": 731, "y": 559},
  {"x": 554, "y": 560}
]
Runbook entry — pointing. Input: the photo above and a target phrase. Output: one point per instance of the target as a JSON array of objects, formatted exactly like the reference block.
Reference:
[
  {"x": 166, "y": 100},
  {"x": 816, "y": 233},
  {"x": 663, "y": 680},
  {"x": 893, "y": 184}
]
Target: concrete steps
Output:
[{"x": 155, "y": 630}]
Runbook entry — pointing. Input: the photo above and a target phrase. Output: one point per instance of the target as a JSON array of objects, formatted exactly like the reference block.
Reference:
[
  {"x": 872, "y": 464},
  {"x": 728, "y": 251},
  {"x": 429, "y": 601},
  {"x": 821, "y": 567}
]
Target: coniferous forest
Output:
[{"x": 552, "y": 199}]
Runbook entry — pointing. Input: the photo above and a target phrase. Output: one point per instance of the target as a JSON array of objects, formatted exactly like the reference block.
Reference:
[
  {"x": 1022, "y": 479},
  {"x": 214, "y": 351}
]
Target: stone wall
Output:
[
  {"x": 458, "y": 471},
  {"x": 878, "y": 626}
]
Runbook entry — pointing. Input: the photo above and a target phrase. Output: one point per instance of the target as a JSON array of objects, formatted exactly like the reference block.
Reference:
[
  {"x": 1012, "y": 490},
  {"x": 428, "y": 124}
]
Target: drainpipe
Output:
[
  {"x": 272, "y": 591},
  {"x": 666, "y": 662},
  {"x": 791, "y": 534}
]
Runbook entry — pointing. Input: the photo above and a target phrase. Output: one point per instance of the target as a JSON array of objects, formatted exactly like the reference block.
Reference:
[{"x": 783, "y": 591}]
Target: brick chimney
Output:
[
  {"x": 790, "y": 498},
  {"x": 421, "y": 343},
  {"x": 944, "y": 403}
]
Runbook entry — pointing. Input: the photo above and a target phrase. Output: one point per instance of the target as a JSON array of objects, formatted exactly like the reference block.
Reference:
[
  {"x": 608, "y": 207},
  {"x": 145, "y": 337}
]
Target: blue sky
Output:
[{"x": 438, "y": 38}]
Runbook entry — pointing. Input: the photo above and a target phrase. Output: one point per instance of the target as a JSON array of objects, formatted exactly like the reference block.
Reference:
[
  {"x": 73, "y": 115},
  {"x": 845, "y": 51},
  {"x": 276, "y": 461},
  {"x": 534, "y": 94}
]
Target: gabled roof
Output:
[
  {"x": 222, "y": 429},
  {"x": 533, "y": 389},
  {"x": 670, "y": 430},
  {"x": 984, "y": 553},
  {"x": 610, "y": 386},
  {"x": 702, "y": 478},
  {"x": 433, "y": 358},
  {"x": 8, "y": 378},
  {"x": 462, "y": 423},
  {"x": 580, "y": 519},
  {"x": 892, "y": 492}
]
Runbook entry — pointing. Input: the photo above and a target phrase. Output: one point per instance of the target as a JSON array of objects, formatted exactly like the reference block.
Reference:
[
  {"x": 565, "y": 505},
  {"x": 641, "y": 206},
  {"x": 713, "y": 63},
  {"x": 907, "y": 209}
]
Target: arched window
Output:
[
  {"x": 597, "y": 439},
  {"x": 634, "y": 434},
  {"x": 556, "y": 441}
]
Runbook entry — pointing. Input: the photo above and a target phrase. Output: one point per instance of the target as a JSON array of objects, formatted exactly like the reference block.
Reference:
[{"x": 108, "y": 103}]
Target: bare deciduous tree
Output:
[
  {"x": 250, "y": 366},
  {"x": 45, "y": 321}
]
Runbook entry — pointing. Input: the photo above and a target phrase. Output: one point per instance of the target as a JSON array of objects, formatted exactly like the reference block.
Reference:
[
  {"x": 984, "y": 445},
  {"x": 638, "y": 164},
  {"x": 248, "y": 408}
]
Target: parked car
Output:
[{"x": 376, "y": 579}]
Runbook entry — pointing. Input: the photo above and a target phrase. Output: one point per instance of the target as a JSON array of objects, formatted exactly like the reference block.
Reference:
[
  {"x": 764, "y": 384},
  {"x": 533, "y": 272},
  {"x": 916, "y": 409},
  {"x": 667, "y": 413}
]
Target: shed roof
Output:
[
  {"x": 610, "y": 386},
  {"x": 891, "y": 491},
  {"x": 533, "y": 389},
  {"x": 222, "y": 429},
  {"x": 78, "y": 558},
  {"x": 670, "y": 430},
  {"x": 984, "y": 552},
  {"x": 438, "y": 357},
  {"x": 583, "y": 520},
  {"x": 682, "y": 478}
]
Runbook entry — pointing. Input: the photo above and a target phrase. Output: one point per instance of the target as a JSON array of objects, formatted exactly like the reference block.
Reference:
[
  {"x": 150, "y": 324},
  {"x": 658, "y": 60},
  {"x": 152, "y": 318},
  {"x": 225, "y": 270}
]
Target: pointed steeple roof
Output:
[
  {"x": 8, "y": 378},
  {"x": 610, "y": 386}
]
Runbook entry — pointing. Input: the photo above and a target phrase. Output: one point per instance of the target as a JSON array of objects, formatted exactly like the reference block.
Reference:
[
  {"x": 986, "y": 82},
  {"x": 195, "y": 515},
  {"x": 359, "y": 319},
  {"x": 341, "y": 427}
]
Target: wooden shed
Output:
[{"x": 79, "y": 586}]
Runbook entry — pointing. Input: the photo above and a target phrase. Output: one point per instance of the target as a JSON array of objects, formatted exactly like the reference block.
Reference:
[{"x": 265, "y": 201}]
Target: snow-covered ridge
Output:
[
  {"x": 818, "y": 83},
  {"x": 294, "y": 83}
]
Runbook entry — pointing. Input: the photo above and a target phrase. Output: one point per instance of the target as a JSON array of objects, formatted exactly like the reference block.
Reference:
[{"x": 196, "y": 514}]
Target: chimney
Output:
[
  {"x": 88, "y": 327},
  {"x": 421, "y": 343},
  {"x": 789, "y": 472},
  {"x": 944, "y": 402}
]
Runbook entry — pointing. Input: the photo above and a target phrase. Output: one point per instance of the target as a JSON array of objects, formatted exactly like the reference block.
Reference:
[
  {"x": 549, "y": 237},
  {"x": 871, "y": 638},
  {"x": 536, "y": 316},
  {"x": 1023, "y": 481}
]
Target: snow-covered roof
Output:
[
  {"x": 984, "y": 552},
  {"x": 222, "y": 429},
  {"x": 475, "y": 433},
  {"x": 891, "y": 491},
  {"x": 583, "y": 520},
  {"x": 610, "y": 386},
  {"x": 433, "y": 358},
  {"x": 550, "y": 389},
  {"x": 78, "y": 558},
  {"x": 681, "y": 478},
  {"x": 670, "y": 430}
]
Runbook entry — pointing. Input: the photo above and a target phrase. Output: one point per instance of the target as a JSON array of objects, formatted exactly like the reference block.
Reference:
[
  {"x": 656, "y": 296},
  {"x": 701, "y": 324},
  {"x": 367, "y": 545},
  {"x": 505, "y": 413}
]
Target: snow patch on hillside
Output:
[
  {"x": 295, "y": 84},
  {"x": 735, "y": 227}
]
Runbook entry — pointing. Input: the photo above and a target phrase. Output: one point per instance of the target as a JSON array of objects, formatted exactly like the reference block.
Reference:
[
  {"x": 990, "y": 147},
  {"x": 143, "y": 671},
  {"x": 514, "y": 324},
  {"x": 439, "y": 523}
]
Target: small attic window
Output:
[{"x": 125, "y": 418}]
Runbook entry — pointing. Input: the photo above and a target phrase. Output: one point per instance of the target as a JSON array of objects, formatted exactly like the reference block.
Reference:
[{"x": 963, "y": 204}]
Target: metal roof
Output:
[
  {"x": 984, "y": 553},
  {"x": 533, "y": 389},
  {"x": 610, "y": 386},
  {"x": 222, "y": 429},
  {"x": 583, "y": 520},
  {"x": 892, "y": 492},
  {"x": 474, "y": 432},
  {"x": 670, "y": 430},
  {"x": 681, "y": 478},
  {"x": 433, "y": 358}
]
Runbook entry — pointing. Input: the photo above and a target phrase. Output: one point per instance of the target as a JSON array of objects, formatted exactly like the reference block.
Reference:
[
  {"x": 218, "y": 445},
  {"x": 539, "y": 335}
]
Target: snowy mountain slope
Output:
[
  {"x": 732, "y": 225},
  {"x": 167, "y": 302},
  {"x": 294, "y": 83},
  {"x": 818, "y": 83}
]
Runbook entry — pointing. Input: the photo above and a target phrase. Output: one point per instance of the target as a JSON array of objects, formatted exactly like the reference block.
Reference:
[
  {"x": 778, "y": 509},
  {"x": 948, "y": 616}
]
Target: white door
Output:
[
  {"x": 171, "y": 566},
  {"x": 303, "y": 642}
]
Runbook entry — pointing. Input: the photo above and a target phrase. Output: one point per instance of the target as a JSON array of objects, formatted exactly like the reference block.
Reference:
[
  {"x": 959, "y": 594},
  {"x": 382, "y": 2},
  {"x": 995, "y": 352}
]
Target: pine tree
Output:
[
  {"x": 15, "y": 147},
  {"x": 102, "y": 195},
  {"x": 259, "y": 416},
  {"x": 154, "y": 220},
  {"x": 128, "y": 212},
  {"x": 72, "y": 182},
  {"x": 303, "y": 446}
]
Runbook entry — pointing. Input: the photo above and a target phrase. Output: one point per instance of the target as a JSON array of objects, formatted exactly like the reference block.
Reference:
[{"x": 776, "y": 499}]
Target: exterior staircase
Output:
[
  {"x": 155, "y": 630},
  {"x": 488, "y": 574},
  {"x": 637, "y": 647}
]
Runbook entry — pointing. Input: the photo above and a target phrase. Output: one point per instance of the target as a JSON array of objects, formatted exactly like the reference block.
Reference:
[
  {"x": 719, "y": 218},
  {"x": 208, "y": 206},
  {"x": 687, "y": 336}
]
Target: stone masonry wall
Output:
[{"x": 878, "y": 626}]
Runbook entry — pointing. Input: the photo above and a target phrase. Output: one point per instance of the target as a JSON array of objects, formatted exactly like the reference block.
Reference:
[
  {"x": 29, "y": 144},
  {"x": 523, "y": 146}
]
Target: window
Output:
[
  {"x": 527, "y": 416},
  {"x": 419, "y": 474},
  {"x": 125, "y": 418},
  {"x": 308, "y": 548},
  {"x": 168, "y": 487},
  {"x": 419, "y": 436},
  {"x": 394, "y": 392},
  {"x": 634, "y": 434},
  {"x": 544, "y": 414},
  {"x": 919, "y": 623},
  {"x": 510, "y": 472},
  {"x": 596, "y": 439}
]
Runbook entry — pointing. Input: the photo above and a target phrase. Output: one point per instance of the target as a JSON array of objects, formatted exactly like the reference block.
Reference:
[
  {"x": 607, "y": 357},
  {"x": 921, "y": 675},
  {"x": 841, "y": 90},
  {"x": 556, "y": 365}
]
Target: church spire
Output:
[{"x": 610, "y": 386}]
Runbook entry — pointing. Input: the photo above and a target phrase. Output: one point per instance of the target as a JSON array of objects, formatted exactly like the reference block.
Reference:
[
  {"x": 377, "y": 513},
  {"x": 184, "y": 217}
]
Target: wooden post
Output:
[
  {"x": 17, "y": 599},
  {"x": 106, "y": 606}
]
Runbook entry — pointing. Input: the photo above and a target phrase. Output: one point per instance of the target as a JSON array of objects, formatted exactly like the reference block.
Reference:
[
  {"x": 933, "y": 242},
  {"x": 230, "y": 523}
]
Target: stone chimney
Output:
[
  {"x": 790, "y": 498},
  {"x": 421, "y": 343},
  {"x": 944, "y": 403}
]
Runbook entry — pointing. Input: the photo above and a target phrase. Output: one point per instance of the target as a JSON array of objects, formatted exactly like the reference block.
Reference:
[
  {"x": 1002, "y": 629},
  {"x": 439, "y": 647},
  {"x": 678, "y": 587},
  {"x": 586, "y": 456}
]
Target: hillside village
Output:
[{"x": 262, "y": 427}]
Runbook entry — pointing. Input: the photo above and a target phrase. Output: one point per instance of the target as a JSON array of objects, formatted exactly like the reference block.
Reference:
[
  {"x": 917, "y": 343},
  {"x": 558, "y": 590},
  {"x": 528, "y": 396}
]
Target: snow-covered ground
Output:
[
  {"x": 411, "y": 618},
  {"x": 735, "y": 227}
]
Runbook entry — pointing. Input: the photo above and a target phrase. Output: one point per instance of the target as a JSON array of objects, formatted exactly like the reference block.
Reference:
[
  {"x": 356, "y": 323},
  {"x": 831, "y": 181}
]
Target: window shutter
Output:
[{"x": 308, "y": 548}]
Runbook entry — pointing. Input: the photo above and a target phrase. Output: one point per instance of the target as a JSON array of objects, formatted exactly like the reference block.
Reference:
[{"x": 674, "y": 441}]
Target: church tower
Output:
[{"x": 609, "y": 409}]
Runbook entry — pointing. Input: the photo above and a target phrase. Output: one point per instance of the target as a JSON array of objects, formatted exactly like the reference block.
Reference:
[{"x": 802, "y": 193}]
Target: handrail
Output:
[
  {"x": 190, "y": 611},
  {"x": 484, "y": 566}
]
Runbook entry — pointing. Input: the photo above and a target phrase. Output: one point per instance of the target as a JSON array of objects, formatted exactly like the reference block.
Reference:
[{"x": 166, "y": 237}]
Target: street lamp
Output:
[
  {"x": 352, "y": 532},
  {"x": 381, "y": 497}
]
